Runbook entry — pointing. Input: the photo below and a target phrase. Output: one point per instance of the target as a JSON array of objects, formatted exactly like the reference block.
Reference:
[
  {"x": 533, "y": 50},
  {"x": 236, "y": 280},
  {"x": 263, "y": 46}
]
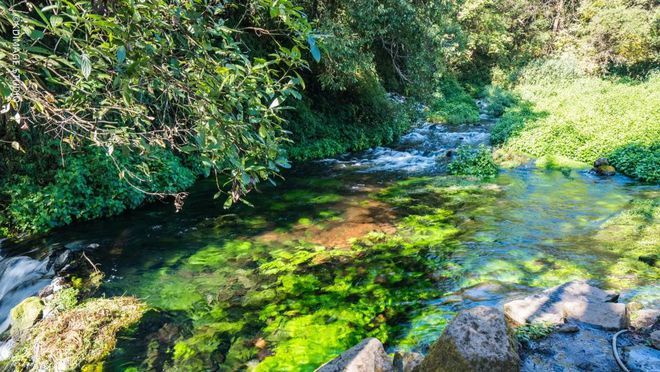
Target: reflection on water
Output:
[{"x": 349, "y": 248}]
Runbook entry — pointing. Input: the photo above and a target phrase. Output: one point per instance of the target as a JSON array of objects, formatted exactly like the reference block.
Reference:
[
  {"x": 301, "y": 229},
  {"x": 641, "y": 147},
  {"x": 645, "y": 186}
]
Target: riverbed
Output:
[{"x": 381, "y": 243}]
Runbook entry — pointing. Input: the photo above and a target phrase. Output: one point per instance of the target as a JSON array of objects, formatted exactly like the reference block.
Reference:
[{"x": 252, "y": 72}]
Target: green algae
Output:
[{"x": 290, "y": 304}]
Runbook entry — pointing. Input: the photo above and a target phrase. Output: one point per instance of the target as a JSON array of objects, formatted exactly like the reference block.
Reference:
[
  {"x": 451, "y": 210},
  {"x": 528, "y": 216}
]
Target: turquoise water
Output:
[{"x": 355, "y": 247}]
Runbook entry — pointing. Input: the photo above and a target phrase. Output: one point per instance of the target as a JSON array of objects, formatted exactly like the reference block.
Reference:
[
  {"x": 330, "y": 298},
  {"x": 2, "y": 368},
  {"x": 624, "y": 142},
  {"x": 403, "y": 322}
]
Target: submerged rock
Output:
[
  {"x": 25, "y": 315},
  {"x": 601, "y": 162},
  {"x": 589, "y": 349},
  {"x": 639, "y": 318},
  {"x": 642, "y": 359},
  {"x": 602, "y": 167},
  {"x": 655, "y": 339},
  {"x": 406, "y": 361},
  {"x": 478, "y": 339},
  {"x": 367, "y": 356},
  {"x": 576, "y": 300}
]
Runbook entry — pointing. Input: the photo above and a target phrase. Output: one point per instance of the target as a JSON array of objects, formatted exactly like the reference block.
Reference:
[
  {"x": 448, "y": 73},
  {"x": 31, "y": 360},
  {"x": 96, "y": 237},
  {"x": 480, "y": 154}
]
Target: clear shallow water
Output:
[{"x": 285, "y": 283}]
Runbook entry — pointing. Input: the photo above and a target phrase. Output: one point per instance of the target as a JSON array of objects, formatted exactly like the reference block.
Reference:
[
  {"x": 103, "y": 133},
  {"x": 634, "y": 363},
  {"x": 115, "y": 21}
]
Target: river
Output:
[{"x": 380, "y": 243}]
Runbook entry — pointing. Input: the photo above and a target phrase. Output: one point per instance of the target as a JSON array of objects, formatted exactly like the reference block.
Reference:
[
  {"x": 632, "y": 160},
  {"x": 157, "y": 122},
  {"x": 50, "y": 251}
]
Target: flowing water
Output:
[{"x": 380, "y": 243}]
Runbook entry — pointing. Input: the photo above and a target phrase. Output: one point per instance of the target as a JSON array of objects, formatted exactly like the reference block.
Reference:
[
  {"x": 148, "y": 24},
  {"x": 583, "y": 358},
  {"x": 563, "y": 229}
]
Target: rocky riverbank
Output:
[
  {"x": 62, "y": 328},
  {"x": 564, "y": 328}
]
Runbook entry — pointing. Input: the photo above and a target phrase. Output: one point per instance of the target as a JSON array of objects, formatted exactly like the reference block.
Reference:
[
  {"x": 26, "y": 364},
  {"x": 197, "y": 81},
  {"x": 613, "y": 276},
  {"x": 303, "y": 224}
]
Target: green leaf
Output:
[
  {"x": 121, "y": 54},
  {"x": 5, "y": 89},
  {"x": 313, "y": 48},
  {"x": 36, "y": 34},
  {"x": 262, "y": 131},
  {"x": 56, "y": 21},
  {"x": 85, "y": 65},
  {"x": 228, "y": 203}
]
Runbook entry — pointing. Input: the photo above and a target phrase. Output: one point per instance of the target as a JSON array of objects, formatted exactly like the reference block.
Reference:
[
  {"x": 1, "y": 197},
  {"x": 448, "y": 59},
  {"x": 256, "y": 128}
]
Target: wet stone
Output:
[
  {"x": 576, "y": 300},
  {"x": 642, "y": 318},
  {"x": 406, "y": 361},
  {"x": 367, "y": 356},
  {"x": 641, "y": 359},
  {"x": 478, "y": 339},
  {"x": 25, "y": 315},
  {"x": 655, "y": 339},
  {"x": 586, "y": 350}
]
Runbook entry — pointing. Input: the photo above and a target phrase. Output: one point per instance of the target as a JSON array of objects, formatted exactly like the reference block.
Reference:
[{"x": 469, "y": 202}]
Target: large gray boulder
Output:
[
  {"x": 576, "y": 300},
  {"x": 478, "y": 339},
  {"x": 367, "y": 356}
]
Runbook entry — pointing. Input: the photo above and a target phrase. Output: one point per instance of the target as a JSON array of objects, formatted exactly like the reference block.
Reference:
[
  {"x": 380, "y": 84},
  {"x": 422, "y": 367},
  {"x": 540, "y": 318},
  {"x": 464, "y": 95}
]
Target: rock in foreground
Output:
[
  {"x": 367, "y": 356},
  {"x": 478, "y": 339},
  {"x": 642, "y": 358},
  {"x": 25, "y": 314},
  {"x": 406, "y": 361},
  {"x": 588, "y": 349},
  {"x": 575, "y": 300},
  {"x": 83, "y": 335}
]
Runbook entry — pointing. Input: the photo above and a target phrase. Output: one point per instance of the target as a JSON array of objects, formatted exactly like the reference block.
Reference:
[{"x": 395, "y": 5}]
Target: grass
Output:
[
  {"x": 585, "y": 118},
  {"x": 533, "y": 331},
  {"x": 77, "y": 337}
]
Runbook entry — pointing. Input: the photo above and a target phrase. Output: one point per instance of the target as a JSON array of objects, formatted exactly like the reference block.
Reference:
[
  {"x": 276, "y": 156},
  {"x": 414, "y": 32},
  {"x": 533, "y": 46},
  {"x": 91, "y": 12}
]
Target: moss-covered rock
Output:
[
  {"x": 25, "y": 315},
  {"x": 79, "y": 337},
  {"x": 478, "y": 339}
]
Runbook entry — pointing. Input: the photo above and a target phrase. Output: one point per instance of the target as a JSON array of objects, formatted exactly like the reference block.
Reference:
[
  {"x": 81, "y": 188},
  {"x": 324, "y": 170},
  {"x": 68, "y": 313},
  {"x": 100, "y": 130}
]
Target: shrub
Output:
[
  {"x": 331, "y": 123},
  {"x": 638, "y": 161},
  {"x": 88, "y": 186},
  {"x": 452, "y": 105},
  {"x": 512, "y": 122},
  {"x": 586, "y": 118},
  {"x": 534, "y": 331},
  {"x": 498, "y": 100},
  {"x": 470, "y": 161}
]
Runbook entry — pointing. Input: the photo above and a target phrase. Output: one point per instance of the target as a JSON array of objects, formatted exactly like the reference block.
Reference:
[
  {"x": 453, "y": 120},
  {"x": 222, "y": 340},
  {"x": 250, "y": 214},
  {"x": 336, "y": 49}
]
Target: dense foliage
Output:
[
  {"x": 476, "y": 162},
  {"x": 140, "y": 93},
  {"x": 584, "y": 118},
  {"x": 136, "y": 98}
]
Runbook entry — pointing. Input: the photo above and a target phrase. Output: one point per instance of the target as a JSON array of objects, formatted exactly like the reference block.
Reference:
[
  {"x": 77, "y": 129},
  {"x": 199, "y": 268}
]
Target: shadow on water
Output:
[{"x": 347, "y": 249}]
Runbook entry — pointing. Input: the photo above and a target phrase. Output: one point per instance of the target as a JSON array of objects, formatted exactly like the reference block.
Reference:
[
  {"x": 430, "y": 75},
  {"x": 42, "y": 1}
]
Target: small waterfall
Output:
[
  {"x": 23, "y": 276},
  {"x": 20, "y": 277},
  {"x": 425, "y": 149}
]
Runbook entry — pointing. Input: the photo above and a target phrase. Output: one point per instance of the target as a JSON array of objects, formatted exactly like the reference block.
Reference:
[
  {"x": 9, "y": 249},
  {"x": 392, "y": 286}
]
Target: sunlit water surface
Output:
[{"x": 283, "y": 282}]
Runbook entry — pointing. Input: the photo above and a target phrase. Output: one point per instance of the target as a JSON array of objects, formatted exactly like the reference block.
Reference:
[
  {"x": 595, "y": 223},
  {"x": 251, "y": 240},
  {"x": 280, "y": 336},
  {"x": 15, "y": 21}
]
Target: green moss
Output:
[
  {"x": 534, "y": 331},
  {"x": 77, "y": 337}
]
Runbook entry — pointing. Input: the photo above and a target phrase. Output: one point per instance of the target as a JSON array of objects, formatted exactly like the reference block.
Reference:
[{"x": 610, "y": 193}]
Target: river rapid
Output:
[{"x": 380, "y": 243}]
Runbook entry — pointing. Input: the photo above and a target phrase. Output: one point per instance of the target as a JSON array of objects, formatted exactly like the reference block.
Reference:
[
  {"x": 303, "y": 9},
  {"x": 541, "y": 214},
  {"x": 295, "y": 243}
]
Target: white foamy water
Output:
[
  {"x": 20, "y": 277},
  {"x": 422, "y": 150}
]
